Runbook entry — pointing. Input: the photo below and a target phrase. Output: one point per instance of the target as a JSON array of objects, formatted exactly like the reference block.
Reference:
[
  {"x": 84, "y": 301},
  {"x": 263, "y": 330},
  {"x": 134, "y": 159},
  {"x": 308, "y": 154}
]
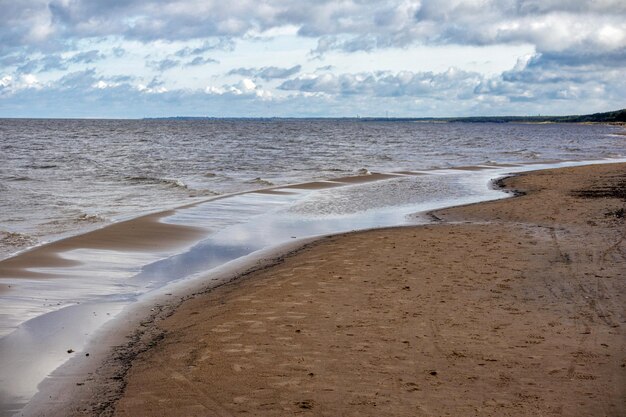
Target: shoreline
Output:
[
  {"x": 154, "y": 337},
  {"x": 137, "y": 331},
  {"x": 45, "y": 252},
  {"x": 47, "y": 346},
  {"x": 142, "y": 230}
]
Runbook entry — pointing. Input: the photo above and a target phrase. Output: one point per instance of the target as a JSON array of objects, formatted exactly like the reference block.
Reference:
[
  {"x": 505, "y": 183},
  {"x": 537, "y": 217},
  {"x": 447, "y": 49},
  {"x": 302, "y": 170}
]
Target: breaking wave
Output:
[
  {"x": 260, "y": 181},
  {"x": 11, "y": 241},
  {"x": 90, "y": 218},
  {"x": 173, "y": 183}
]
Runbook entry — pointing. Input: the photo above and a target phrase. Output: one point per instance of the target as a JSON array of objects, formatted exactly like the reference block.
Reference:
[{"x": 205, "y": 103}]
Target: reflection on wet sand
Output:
[
  {"x": 144, "y": 234},
  {"x": 315, "y": 185},
  {"x": 359, "y": 179}
]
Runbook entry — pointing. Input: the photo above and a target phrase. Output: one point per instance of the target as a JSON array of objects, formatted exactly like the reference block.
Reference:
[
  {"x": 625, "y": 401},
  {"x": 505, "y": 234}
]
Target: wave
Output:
[
  {"x": 15, "y": 240},
  {"x": 174, "y": 183},
  {"x": 44, "y": 166},
  {"x": 515, "y": 151},
  {"x": 260, "y": 181},
  {"x": 90, "y": 218},
  {"x": 19, "y": 178},
  {"x": 613, "y": 155},
  {"x": 193, "y": 192},
  {"x": 525, "y": 153}
]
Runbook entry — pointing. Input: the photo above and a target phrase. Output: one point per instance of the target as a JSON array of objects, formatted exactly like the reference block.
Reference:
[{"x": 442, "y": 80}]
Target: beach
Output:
[
  {"x": 275, "y": 208},
  {"x": 511, "y": 307}
]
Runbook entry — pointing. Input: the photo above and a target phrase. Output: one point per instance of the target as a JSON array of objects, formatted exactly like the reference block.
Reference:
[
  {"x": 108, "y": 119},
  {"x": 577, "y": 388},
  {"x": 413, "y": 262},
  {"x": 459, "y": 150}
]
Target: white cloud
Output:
[
  {"x": 9, "y": 85},
  {"x": 102, "y": 84},
  {"x": 267, "y": 73},
  {"x": 151, "y": 89},
  {"x": 245, "y": 88},
  {"x": 353, "y": 52},
  {"x": 387, "y": 84},
  {"x": 30, "y": 80},
  {"x": 6, "y": 81},
  {"x": 345, "y": 24}
]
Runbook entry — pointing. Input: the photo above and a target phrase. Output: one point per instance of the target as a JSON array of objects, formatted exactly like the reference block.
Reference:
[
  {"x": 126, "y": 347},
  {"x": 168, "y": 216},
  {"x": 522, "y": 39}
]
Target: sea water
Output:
[{"x": 60, "y": 177}]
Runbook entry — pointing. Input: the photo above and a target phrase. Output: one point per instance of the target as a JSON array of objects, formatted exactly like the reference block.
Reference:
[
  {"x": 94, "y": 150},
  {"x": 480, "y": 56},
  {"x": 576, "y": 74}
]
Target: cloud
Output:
[
  {"x": 78, "y": 80},
  {"x": 47, "y": 63},
  {"x": 245, "y": 88},
  {"x": 155, "y": 86},
  {"x": 347, "y": 25},
  {"x": 118, "y": 52},
  {"x": 387, "y": 84},
  {"x": 170, "y": 63},
  {"x": 223, "y": 44},
  {"x": 537, "y": 82},
  {"x": 87, "y": 94},
  {"x": 10, "y": 85},
  {"x": 53, "y": 62},
  {"x": 197, "y": 61},
  {"x": 549, "y": 26},
  {"x": 267, "y": 73},
  {"x": 546, "y": 77},
  {"x": 13, "y": 60},
  {"x": 579, "y": 51},
  {"x": 25, "y": 23},
  {"x": 325, "y": 68},
  {"x": 164, "y": 64},
  {"x": 87, "y": 57},
  {"x": 573, "y": 30}
]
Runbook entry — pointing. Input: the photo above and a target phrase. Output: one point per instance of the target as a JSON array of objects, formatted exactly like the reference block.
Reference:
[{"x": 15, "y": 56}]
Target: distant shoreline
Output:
[{"x": 617, "y": 117}]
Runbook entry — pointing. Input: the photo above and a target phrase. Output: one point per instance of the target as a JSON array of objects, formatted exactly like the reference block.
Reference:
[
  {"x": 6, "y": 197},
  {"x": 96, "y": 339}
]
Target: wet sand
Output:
[
  {"x": 359, "y": 179},
  {"x": 144, "y": 233},
  {"x": 514, "y": 307},
  {"x": 337, "y": 182}
]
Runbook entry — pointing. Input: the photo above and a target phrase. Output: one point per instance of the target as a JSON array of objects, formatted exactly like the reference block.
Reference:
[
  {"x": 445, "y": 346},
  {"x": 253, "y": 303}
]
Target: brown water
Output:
[{"x": 61, "y": 177}]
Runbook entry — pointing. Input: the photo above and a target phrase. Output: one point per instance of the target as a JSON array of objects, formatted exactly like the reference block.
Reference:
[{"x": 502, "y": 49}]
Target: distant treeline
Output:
[{"x": 618, "y": 116}]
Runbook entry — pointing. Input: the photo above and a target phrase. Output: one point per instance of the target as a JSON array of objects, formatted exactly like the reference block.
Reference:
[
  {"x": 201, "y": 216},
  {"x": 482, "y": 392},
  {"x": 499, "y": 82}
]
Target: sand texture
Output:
[{"x": 509, "y": 308}]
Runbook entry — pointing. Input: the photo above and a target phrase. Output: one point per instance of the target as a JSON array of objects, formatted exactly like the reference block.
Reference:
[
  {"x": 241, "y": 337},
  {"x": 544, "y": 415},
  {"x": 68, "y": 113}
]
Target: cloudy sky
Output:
[{"x": 252, "y": 58}]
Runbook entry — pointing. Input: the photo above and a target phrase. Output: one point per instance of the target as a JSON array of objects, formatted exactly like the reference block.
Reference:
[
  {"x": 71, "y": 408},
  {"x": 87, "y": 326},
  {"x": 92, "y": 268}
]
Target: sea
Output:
[
  {"x": 62, "y": 177},
  {"x": 249, "y": 184}
]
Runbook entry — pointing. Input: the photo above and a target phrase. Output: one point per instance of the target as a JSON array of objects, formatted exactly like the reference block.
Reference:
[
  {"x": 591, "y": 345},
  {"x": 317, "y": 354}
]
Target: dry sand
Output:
[{"x": 508, "y": 308}]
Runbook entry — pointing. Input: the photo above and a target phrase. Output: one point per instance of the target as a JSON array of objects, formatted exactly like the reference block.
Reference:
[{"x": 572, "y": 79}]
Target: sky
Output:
[{"x": 311, "y": 58}]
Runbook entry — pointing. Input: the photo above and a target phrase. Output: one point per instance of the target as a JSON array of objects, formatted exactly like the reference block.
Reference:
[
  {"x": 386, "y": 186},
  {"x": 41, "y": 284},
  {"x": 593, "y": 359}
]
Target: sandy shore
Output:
[{"x": 515, "y": 307}]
